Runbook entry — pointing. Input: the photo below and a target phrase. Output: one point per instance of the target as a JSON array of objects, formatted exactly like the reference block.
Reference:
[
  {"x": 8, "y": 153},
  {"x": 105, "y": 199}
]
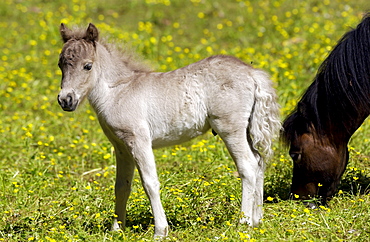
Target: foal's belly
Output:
[{"x": 177, "y": 135}]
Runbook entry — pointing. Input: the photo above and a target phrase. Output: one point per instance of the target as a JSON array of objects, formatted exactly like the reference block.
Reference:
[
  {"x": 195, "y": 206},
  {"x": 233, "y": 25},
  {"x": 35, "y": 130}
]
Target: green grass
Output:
[{"x": 57, "y": 169}]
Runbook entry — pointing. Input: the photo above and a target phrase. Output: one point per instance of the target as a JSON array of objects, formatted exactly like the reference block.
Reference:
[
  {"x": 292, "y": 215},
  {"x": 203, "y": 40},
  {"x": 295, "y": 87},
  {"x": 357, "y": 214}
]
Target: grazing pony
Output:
[
  {"x": 330, "y": 111},
  {"x": 139, "y": 110}
]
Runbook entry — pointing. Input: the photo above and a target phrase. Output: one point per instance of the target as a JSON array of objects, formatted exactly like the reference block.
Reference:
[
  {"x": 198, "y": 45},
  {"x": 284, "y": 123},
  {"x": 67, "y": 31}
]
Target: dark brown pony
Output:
[{"x": 333, "y": 107}]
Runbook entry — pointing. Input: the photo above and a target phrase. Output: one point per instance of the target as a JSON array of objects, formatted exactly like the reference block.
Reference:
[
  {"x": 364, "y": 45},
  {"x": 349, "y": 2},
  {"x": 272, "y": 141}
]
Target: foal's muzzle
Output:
[{"x": 68, "y": 102}]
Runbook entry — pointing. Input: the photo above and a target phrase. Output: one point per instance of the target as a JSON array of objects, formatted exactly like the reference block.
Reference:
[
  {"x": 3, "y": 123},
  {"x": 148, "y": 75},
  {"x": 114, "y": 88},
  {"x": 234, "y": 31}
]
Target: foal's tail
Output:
[{"x": 264, "y": 121}]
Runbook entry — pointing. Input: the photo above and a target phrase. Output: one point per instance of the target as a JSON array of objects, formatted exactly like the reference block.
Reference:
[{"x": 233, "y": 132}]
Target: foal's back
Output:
[{"x": 179, "y": 105}]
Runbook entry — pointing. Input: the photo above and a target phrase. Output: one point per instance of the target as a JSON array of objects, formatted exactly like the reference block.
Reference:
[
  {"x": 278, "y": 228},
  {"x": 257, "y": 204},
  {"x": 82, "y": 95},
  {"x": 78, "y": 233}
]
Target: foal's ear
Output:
[
  {"x": 92, "y": 33},
  {"x": 65, "y": 32}
]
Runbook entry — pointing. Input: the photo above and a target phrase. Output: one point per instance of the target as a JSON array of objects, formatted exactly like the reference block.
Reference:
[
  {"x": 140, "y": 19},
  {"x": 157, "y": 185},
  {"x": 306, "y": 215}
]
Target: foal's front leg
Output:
[{"x": 141, "y": 150}]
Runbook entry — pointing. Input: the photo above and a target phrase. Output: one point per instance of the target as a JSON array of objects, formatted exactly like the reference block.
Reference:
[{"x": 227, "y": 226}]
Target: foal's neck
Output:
[
  {"x": 111, "y": 67},
  {"x": 108, "y": 70}
]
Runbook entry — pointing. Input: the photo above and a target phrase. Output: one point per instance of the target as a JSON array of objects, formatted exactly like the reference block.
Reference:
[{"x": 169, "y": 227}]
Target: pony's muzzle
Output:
[{"x": 68, "y": 102}]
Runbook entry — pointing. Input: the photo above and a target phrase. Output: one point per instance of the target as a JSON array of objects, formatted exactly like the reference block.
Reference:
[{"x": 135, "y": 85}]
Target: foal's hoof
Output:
[
  {"x": 159, "y": 237},
  {"x": 115, "y": 226},
  {"x": 160, "y": 234}
]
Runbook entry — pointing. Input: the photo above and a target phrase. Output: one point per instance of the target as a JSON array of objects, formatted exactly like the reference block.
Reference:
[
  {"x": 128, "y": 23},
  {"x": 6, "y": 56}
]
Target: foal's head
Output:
[{"x": 77, "y": 63}]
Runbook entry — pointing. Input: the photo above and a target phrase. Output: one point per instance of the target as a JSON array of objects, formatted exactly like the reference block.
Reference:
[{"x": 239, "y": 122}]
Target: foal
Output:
[{"x": 139, "y": 110}]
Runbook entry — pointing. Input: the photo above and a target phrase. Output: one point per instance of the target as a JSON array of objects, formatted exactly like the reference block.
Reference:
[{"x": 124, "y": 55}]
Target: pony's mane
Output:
[{"x": 340, "y": 93}]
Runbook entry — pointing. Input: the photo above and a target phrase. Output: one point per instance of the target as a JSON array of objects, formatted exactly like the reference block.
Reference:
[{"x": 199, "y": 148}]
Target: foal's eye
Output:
[{"x": 88, "y": 66}]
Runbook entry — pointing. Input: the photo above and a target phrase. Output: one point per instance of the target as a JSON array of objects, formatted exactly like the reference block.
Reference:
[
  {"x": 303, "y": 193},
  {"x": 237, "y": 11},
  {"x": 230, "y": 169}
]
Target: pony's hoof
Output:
[{"x": 310, "y": 205}]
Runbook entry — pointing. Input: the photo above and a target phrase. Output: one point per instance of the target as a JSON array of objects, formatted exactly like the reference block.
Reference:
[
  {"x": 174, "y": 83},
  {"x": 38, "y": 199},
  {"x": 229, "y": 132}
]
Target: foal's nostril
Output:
[
  {"x": 60, "y": 103},
  {"x": 69, "y": 100}
]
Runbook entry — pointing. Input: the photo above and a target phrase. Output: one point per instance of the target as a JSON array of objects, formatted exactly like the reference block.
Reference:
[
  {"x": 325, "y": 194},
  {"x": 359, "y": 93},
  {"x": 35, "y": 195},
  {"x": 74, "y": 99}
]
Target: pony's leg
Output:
[
  {"x": 250, "y": 172},
  {"x": 125, "y": 168},
  {"x": 141, "y": 150}
]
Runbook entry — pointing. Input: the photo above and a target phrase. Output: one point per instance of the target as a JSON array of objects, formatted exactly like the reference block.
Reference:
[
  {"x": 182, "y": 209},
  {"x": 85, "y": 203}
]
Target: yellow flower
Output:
[
  {"x": 33, "y": 42},
  {"x": 153, "y": 40},
  {"x": 220, "y": 26},
  {"x": 243, "y": 235},
  {"x": 200, "y": 15}
]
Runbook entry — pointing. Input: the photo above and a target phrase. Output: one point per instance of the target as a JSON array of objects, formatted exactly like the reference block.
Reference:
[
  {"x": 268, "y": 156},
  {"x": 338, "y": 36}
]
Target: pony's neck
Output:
[
  {"x": 350, "y": 124},
  {"x": 342, "y": 123},
  {"x": 318, "y": 111}
]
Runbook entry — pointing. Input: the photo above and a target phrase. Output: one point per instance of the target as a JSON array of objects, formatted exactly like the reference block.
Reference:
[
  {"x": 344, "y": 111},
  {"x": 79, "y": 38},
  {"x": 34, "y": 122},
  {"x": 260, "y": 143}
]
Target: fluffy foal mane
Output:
[
  {"x": 124, "y": 54},
  {"x": 339, "y": 96}
]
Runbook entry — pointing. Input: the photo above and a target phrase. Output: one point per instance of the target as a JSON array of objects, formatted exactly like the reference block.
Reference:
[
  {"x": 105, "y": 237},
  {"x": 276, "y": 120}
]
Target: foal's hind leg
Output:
[
  {"x": 260, "y": 175},
  {"x": 258, "y": 201},
  {"x": 125, "y": 168},
  {"x": 250, "y": 172}
]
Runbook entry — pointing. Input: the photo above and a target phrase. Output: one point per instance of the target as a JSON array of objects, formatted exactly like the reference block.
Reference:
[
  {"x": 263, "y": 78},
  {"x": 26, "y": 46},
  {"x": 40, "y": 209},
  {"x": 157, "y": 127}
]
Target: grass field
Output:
[{"x": 57, "y": 169}]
